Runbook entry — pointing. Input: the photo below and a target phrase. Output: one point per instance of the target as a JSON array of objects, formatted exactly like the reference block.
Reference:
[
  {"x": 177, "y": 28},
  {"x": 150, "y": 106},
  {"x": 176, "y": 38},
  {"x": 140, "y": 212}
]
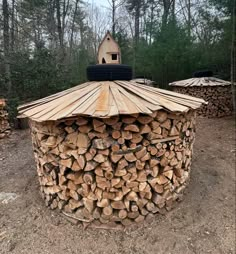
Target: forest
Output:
[{"x": 46, "y": 45}]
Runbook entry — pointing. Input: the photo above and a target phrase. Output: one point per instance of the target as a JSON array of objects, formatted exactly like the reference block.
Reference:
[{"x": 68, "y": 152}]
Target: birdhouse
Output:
[{"x": 109, "y": 51}]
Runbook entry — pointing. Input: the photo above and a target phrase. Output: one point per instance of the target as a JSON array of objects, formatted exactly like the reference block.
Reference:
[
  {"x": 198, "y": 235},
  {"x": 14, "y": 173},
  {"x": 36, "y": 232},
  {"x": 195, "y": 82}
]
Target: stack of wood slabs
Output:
[
  {"x": 107, "y": 98},
  {"x": 206, "y": 81}
]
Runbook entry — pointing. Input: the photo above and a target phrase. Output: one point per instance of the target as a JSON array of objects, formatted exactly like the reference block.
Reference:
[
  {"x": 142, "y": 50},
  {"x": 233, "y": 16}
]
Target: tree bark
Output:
[
  {"x": 136, "y": 21},
  {"x": 151, "y": 21},
  {"x": 52, "y": 28},
  {"x": 173, "y": 10},
  {"x": 233, "y": 53},
  {"x": 166, "y": 12},
  {"x": 189, "y": 19},
  {"x": 113, "y": 17},
  {"x": 64, "y": 13},
  {"x": 13, "y": 26},
  {"x": 6, "y": 44},
  {"x": 73, "y": 26},
  {"x": 59, "y": 25}
]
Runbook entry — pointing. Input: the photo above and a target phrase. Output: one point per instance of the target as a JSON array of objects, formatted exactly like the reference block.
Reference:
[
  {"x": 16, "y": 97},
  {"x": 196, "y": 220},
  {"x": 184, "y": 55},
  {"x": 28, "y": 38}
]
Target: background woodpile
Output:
[
  {"x": 219, "y": 99},
  {"x": 117, "y": 171},
  {"x": 4, "y": 123}
]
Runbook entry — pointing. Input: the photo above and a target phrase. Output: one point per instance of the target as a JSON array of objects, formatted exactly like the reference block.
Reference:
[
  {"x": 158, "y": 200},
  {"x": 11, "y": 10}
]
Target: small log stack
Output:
[
  {"x": 216, "y": 92},
  {"x": 4, "y": 123},
  {"x": 114, "y": 171}
]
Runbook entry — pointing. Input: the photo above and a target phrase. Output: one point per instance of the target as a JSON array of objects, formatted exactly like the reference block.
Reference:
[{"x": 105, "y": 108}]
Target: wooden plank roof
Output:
[
  {"x": 207, "y": 81},
  {"x": 106, "y": 99}
]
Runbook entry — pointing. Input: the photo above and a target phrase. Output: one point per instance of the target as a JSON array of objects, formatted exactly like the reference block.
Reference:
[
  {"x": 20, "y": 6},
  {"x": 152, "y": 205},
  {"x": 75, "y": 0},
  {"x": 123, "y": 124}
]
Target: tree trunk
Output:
[
  {"x": 166, "y": 12},
  {"x": 64, "y": 13},
  {"x": 151, "y": 22},
  {"x": 52, "y": 28},
  {"x": 13, "y": 25},
  {"x": 189, "y": 19},
  {"x": 6, "y": 43},
  {"x": 73, "y": 26},
  {"x": 173, "y": 11},
  {"x": 136, "y": 22},
  {"x": 233, "y": 53},
  {"x": 59, "y": 25},
  {"x": 113, "y": 17}
]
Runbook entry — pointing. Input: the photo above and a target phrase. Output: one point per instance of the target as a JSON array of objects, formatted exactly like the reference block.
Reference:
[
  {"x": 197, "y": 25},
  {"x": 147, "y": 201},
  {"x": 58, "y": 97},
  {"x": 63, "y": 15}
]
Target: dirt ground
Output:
[{"x": 204, "y": 222}]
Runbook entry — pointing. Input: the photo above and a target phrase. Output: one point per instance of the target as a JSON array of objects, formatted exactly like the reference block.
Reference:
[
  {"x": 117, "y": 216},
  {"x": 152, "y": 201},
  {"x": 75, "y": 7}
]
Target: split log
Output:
[
  {"x": 116, "y": 134},
  {"x": 81, "y": 121},
  {"x": 145, "y": 129},
  {"x": 111, "y": 121},
  {"x": 90, "y": 165},
  {"x": 117, "y": 205},
  {"x": 99, "y": 158},
  {"x": 82, "y": 140},
  {"x": 102, "y": 143},
  {"x": 122, "y": 214},
  {"x": 88, "y": 178},
  {"x": 132, "y": 128}
]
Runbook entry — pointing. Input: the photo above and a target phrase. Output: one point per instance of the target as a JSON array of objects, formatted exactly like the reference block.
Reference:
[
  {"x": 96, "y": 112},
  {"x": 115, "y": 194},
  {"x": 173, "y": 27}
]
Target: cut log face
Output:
[
  {"x": 219, "y": 98},
  {"x": 114, "y": 171},
  {"x": 82, "y": 140}
]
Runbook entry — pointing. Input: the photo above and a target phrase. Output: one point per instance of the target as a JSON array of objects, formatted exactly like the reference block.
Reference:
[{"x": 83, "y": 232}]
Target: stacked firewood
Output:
[
  {"x": 4, "y": 123},
  {"x": 219, "y": 98},
  {"x": 114, "y": 171}
]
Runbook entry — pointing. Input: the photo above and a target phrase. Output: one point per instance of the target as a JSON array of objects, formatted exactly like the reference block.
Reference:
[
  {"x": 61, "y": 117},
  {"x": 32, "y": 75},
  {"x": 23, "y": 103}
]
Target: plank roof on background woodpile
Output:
[
  {"x": 107, "y": 98},
  {"x": 144, "y": 81},
  {"x": 207, "y": 81}
]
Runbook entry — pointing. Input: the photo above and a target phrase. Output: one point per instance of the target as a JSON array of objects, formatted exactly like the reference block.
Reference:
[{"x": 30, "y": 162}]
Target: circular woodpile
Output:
[
  {"x": 112, "y": 153},
  {"x": 4, "y": 122},
  {"x": 114, "y": 171},
  {"x": 216, "y": 92}
]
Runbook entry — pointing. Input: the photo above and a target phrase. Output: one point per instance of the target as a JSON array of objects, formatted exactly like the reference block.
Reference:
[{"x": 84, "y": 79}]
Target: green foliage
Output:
[
  {"x": 225, "y": 6},
  {"x": 170, "y": 54},
  {"x": 126, "y": 48},
  {"x": 38, "y": 74}
]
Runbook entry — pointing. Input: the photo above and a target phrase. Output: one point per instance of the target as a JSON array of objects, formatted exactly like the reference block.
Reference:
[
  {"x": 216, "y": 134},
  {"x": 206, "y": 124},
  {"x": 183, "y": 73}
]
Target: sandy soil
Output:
[{"x": 203, "y": 223}]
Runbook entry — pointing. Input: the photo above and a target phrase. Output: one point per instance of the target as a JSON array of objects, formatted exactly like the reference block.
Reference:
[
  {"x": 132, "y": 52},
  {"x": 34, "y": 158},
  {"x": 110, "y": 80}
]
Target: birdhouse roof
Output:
[
  {"x": 104, "y": 38},
  {"x": 206, "y": 81},
  {"x": 105, "y": 99}
]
